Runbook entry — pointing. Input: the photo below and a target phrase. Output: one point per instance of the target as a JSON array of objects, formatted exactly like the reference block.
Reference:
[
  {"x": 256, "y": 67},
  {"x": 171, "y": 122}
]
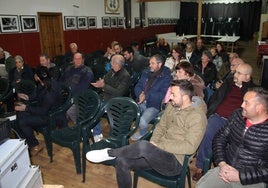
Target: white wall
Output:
[{"x": 85, "y": 8}]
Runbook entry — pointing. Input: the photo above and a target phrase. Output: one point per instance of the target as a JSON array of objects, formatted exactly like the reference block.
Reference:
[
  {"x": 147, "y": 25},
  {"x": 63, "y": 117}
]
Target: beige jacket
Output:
[{"x": 181, "y": 131}]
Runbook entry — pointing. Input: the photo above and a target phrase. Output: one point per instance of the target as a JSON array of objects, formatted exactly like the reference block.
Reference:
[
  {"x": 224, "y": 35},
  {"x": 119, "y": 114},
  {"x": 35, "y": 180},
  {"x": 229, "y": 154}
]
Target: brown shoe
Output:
[
  {"x": 36, "y": 149},
  {"x": 198, "y": 174}
]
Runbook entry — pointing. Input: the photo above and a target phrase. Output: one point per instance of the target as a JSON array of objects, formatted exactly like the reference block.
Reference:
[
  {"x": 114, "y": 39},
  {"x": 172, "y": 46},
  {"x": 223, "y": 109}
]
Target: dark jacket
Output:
[
  {"x": 78, "y": 79},
  {"x": 220, "y": 94},
  {"x": 245, "y": 150},
  {"x": 156, "y": 93},
  {"x": 117, "y": 84},
  {"x": 210, "y": 72},
  {"x": 26, "y": 74}
]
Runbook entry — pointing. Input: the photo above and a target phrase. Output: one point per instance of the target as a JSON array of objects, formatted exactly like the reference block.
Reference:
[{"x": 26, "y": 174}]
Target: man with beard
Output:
[
  {"x": 178, "y": 133},
  {"x": 240, "y": 148}
]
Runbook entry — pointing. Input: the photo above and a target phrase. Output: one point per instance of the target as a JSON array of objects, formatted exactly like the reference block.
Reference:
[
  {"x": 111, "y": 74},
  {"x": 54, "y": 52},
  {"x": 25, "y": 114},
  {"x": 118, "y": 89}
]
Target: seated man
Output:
[
  {"x": 150, "y": 91},
  {"x": 68, "y": 56},
  {"x": 53, "y": 69},
  {"x": 31, "y": 115},
  {"x": 161, "y": 47},
  {"x": 240, "y": 148},
  {"x": 116, "y": 83},
  {"x": 77, "y": 77},
  {"x": 178, "y": 133},
  {"x": 220, "y": 106}
]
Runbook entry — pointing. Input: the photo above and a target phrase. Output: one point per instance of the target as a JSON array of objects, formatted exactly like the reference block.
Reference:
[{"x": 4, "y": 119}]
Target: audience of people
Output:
[
  {"x": 233, "y": 133},
  {"x": 178, "y": 133}
]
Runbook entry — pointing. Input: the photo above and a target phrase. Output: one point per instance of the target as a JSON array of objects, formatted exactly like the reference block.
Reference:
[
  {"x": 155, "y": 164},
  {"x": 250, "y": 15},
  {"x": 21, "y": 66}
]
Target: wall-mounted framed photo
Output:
[
  {"x": 113, "y": 21},
  {"x": 121, "y": 22},
  {"x": 82, "y": 22},
  {"x": 28, "y": 23},
  {"x": 112, "y": 6},
  {"x": 9, "y": 23},
  {"x": 92, "y": 21},
  {"x": 106, "y": 22},
  {"x": 70, "y": 22},
  {"x": 137, "y": 22}
]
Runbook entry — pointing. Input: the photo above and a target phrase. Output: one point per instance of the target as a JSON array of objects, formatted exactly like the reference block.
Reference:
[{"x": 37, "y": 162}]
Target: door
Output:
[{"x": 51, "y": 33}]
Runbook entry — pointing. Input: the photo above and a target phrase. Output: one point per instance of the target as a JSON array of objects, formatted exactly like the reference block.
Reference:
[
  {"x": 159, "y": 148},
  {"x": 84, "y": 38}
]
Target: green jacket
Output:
[{"x": 181, "y": 131}]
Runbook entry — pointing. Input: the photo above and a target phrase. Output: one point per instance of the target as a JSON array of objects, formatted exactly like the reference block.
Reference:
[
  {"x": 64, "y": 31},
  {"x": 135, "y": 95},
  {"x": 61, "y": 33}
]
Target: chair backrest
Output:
[
  {"x": 122, "y": 112},
  {"x": 87, "y": 104}
]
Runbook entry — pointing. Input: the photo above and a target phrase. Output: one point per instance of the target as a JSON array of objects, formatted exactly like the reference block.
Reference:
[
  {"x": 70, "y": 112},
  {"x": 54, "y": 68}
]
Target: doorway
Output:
[{"x": 51, "y": 33}]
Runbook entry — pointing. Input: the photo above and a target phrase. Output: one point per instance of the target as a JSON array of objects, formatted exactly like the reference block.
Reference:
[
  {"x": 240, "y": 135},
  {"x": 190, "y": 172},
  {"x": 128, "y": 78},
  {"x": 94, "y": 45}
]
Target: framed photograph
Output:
[
  {"x": 113, "y": 21},
  {"x": 82, "y": 22},
  {"x": 106, "y": 22},
  {"x": 70, "y": 22},
  {"x": 112, "y": 6},
  {"x": 28, "y": 23},
  {"x": 137, "y": 22},
  {"x": 92, "y": 21},
  {"x": 9, "y": 23},
  {"x": 120, "y": 22}
]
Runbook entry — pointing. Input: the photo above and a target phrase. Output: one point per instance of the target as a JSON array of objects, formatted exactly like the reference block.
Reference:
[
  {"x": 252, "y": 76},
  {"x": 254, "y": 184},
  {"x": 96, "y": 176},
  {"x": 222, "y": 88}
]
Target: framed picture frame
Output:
[
  {"x": 112, "y": 6},
  {"x": 28, "y": 23},
  {"x": 113, "y": 21},
  {"x": 106, "y": 22},
  {"x": 92, "y": 22},
  {"x": 9, "y": 23},
  {"x": 70, "y": 22},
  {"x": 137, "y": 22},
  {"x": 121, "y": 22},
  {"x": 82, "y": 22}
]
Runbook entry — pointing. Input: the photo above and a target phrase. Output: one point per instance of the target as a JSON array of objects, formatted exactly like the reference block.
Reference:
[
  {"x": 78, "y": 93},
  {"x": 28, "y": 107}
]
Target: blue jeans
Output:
[
  {"x": 148, "y": 114},
  {"x": 97, "y": 128},
  {"x": 140, "y": 156},
  {"x": 215, "y": 122}
]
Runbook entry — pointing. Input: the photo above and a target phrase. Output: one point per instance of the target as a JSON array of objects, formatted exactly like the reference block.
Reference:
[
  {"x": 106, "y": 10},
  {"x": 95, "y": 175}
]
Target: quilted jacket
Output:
[{"x": 244, "y": 149}]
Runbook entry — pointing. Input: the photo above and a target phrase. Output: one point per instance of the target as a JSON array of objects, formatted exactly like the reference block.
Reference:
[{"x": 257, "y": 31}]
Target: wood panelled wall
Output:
[{"x": 28, "y": 44}]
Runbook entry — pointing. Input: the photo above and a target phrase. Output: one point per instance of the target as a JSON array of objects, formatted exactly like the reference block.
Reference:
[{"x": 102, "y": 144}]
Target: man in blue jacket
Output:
[{"x": 150, "y": 91}]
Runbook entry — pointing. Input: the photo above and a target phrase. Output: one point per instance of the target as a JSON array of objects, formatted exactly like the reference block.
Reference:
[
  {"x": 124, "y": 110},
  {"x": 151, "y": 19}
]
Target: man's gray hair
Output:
[{"x": 119, "y": 59}]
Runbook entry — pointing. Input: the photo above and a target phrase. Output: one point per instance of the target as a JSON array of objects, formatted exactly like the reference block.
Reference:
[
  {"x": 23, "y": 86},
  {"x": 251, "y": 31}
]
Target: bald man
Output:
[
  {"x": 220, "y": 107},
  {"x": 116, "y": 83}
]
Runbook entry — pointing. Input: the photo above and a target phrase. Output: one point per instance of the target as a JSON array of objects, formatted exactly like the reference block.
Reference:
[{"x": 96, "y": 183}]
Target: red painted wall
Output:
[{"x": 28, "y": 44}]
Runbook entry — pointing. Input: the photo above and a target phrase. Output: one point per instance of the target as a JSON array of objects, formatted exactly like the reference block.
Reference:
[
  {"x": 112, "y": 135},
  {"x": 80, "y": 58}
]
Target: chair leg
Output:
[
  {"x": 84, "y": 168},
  {"x": 135, "y": 180},
  {"x": 77, "y": 159}
]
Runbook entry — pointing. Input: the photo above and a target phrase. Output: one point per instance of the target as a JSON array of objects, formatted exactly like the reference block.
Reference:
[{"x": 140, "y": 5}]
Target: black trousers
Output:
[{"x": 140, "y": 156}]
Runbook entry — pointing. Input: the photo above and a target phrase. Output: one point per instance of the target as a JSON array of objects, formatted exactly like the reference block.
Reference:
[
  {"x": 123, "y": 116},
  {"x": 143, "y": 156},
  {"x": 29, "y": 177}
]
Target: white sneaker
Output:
[
  {"x": 97, "y": 156},
  {"x": 98, "y": 137}
]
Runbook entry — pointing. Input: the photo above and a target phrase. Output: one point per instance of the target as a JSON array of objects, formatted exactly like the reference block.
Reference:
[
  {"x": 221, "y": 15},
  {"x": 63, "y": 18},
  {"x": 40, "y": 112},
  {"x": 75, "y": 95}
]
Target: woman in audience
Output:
[
  {"x": 185, "y": 70},
  {"x": 206, "y": 69},
  {"x": 173, "y": 60},
  {"x": 217, "y": 60},
  {"x": 21, "y": 72},
  {"x": 222, "y": 53}
]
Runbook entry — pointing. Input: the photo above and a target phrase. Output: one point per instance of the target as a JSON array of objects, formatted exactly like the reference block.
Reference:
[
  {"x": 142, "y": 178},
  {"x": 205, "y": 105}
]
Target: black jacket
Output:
[
  {"x": 220, "y": 94},
  {"x": 245, "y": 150}
]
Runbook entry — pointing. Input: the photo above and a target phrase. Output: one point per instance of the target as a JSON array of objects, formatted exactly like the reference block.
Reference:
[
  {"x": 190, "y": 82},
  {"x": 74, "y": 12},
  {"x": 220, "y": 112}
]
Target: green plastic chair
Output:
[
  {"x": 166, "y": 181},
  {"x": 87, "y": 104},
  {"x": 207, "y": 163},
  {"x": 123, "y": 116},
  {"x": 65, "y": 103}
]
